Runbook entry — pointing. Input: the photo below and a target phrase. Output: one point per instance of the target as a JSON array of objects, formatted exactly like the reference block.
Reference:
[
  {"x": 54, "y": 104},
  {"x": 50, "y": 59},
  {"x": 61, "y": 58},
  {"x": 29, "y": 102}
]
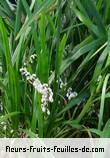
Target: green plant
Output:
[{"x": 64, "y": 46}]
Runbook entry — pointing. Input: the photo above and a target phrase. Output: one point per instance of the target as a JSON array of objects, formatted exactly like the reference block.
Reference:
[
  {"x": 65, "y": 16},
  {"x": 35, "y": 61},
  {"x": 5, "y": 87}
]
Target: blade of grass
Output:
[
  {"x": 45, "y": 4},
  {"x": 100, "y": 123}
]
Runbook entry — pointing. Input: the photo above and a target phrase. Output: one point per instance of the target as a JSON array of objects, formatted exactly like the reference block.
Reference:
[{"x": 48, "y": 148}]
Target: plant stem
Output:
[{"x": 85, "y": 109}]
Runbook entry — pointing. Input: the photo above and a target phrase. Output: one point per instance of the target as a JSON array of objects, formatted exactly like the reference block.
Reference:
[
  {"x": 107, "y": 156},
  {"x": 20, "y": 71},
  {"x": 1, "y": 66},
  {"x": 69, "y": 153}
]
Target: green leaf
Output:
[
  {"x": 106, "y": 130},
  {"x": 103, "y": 101}
]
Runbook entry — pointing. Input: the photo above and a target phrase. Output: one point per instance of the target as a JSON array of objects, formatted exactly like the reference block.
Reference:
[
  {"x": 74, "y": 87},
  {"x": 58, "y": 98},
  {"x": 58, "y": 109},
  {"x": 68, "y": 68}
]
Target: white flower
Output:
[
  {"x": 28, "y": 78},
  {"x": 62, "y": 84},
  {"x": 75, "y": 94},
  {"x": 37, "y": 85},
  {"x": 43, "y": 109},
  {"x": 12, "y": 131},
  {"x": 69, "y": 89},
  {"x": 27, "y": 74},
  {"x": 48, "y": 112},
  {"x": 21, "y": 69},
  {"x": 32, "y": 58},
  {"x": 51, "y": 98},
  {"x": 2, "y": 123},
  {"x": 71, "y": 94},
  {"x": 43, "y": 89},
  {"x": 1, "y": 107},
  {"x": 99, "y": 78},
  {"x": 67, "y": 95},
  {"x": 24, "y": 64},
  {"x": 0, "y": 69},
  {"x": 4, "y": 128},
  {"x": 34, "y": 75}
]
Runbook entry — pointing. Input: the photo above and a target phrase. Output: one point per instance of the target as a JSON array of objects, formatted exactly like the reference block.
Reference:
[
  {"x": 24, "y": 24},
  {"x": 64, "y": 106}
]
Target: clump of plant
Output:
[{"x": 54, "y": 68}]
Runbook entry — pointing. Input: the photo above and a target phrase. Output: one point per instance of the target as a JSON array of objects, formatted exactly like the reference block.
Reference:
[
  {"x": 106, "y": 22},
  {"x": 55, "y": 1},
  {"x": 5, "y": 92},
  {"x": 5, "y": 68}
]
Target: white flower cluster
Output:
[
  {"x": 71, "y": 94},
  {"x": 43, "y": 89},
  {"x": 32, "y": 58}
]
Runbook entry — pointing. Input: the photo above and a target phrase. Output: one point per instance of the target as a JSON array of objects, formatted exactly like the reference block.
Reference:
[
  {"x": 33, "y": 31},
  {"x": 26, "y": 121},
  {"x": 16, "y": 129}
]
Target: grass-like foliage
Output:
[{"x": 55, "y": 68}]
